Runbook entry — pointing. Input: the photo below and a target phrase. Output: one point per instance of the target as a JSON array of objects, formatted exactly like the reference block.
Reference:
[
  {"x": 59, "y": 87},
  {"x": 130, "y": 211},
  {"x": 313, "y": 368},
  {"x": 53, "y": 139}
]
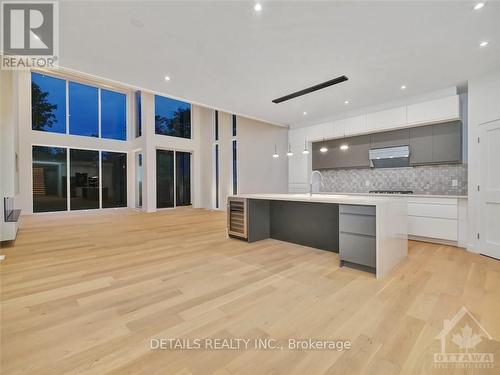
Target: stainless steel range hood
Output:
[{"x": 390, "y": 157}]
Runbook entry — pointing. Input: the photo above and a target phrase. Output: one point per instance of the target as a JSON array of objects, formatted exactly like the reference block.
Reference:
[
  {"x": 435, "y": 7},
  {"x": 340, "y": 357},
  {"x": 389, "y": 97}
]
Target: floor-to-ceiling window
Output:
[
  {"x": 113, "y": 115},
  {"x": 84, "y": 179},
  {"x": 114, "y": 179},
  {"x": 234, "y": 163},
  {"x": 172, "y": 117},
  {"x": 164, "y": 178},
  {"x": 138, "y": 179},
  {"x": 83, "y": 110},
  {"x": 138, "y": 113},
  {"x": 48, "y": 103},
  {"x": 64, "y": 106},
  {"x": 182, "y": 178},
  {"x": 235, "y": 167},
  {"x": 49, "y": 179},
  {"x": 97, "y": 179},
  {"x": 216, "y": 159}
]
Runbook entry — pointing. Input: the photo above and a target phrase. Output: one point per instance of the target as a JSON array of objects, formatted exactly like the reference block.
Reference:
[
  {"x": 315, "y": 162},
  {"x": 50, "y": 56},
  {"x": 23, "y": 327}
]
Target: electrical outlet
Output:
[{"x": 454, "y": 183}]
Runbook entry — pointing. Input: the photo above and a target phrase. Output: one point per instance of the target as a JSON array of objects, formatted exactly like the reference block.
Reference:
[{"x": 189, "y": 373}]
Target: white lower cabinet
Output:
[
  {"x": 431, "y": 227},
  {"x": 433, "y": 218}
]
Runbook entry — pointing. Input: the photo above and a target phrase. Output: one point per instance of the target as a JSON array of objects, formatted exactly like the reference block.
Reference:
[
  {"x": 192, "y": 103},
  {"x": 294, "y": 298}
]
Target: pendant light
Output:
[
  {"x": 323, "y": 148},
  {"x": 344, "y": 146},
  {"x": 306, "y": 151},
  {"x": 276, "y": 155},
  {"x": 289, "y": 152}
]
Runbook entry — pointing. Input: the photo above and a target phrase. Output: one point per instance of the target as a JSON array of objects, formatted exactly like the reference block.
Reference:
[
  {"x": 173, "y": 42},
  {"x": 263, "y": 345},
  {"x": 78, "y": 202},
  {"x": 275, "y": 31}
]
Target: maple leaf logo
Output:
[{"x": 466, "y": 340}]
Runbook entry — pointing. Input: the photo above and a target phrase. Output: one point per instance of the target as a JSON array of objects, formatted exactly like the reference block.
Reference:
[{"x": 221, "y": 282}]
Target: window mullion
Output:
[
  {"x": 67, "y": 107},
  {"x": 68, "y": 176},
  {"x": 99, "y": 110},
  {"x": 100, "y": 179}
]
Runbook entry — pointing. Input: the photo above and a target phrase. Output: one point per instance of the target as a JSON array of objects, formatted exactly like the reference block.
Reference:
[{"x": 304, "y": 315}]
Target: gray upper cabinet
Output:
[
  {"x": 321, "y": 160},
  {"x": 447, "y": 142},
  {"x": 393, "y": 138},
  {"x": 356, "y": 156},
  {"x": 421, "y": 145},
  {"x": 430, "y": 144},
  {"x": 436, "y": 144}
]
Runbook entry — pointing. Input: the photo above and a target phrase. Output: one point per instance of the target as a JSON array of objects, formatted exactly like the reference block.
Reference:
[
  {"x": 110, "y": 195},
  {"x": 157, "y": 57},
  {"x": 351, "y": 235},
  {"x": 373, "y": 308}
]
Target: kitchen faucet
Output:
[{"x": 311, "y": 182}]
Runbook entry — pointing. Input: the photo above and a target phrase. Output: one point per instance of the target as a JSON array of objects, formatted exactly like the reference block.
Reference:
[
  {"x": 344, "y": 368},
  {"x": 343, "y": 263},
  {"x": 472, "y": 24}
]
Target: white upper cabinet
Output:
[
  {"x": 320, "y": 131},
  {"x": 352, "y": 125},
  {"x": 388, "y": 119},
  {"x": 434, "y": 111},
  {"x": 338, "y": 129}
]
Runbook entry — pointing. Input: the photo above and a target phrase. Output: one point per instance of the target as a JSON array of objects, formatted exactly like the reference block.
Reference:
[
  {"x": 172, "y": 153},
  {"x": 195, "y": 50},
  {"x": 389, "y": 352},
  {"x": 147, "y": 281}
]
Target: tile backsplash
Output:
[{"x": 450, "y": 179}]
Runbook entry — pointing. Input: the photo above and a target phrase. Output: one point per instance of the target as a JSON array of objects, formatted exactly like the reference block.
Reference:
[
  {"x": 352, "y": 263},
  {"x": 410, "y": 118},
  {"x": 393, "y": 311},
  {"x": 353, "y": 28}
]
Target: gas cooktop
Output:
[{"x": 391, "y": 192}]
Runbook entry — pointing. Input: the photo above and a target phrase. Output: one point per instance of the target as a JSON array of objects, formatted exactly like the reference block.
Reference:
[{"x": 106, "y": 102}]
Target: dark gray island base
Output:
[
  {"x": 322, "y": 223},
  {"x": 308, "y": 224}
]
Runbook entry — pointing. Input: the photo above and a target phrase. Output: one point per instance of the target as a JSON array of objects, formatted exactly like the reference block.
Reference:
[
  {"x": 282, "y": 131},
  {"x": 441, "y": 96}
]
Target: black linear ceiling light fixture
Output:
[{"x": 317, "y": 87}]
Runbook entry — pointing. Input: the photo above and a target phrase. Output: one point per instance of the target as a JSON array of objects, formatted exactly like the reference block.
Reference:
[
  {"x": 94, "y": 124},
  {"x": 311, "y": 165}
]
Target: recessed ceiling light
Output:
[
  {"x": 478, "y": 6},
  {"x": 304, "y": 113},
  {"x": 167, "y": 78},
  {"x": 346, "y": 102},
  {"x": 483, "y": 44},
  {"x": 403, "y": 87},
  {"x": 257, "y": 7},
  {"x": 136, "y": 22}
]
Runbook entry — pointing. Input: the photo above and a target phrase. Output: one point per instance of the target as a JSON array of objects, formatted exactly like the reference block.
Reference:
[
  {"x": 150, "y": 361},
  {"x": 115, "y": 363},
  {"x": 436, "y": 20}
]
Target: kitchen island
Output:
[{"x": 368, "y": 232}]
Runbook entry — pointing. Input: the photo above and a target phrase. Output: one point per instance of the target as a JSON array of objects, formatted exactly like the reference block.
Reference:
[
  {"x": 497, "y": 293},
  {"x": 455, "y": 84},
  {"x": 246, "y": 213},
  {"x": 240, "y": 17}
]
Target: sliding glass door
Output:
[
  {"x": 84, "y": 179},
  {"x": 182, "y": 178},
  {"x": 86, "y": 169},
  {"x": 114, "y": 179},
  {"x": 173, "y": 176},
  {"x": 49, "y": 179},
  {"x": 164, "y": 178}
]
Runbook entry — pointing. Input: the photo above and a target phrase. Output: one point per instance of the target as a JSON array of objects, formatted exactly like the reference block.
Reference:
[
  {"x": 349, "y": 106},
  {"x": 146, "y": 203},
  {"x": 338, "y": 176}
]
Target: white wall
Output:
[
  {"x": 258, "y": 171},
  {"x": 204, "y": 189},
  {"x": 9, "y": 181},
  {"x": 225, "y": 158},
  {"x": 484, "y": 106}
]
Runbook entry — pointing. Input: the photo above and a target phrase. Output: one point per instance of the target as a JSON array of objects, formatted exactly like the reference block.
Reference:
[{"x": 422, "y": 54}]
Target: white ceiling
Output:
[{"x": 227, "y": 56}]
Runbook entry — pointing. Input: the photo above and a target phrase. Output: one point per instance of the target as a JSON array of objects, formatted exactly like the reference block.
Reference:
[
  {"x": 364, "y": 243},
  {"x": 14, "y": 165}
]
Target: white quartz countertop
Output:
[
  {"x": 399, "y": 195},
  {"x": 368, "y": 200}
]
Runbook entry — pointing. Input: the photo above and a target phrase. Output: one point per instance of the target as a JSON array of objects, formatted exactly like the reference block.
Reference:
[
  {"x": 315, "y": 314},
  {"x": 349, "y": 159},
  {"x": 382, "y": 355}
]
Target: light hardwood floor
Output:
[{"x": 85, "y": 293}]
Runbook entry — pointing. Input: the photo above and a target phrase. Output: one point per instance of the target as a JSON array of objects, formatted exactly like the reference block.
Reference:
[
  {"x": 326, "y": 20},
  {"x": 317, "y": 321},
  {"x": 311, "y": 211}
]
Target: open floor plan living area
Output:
[{"x": 249, "y": 187}]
